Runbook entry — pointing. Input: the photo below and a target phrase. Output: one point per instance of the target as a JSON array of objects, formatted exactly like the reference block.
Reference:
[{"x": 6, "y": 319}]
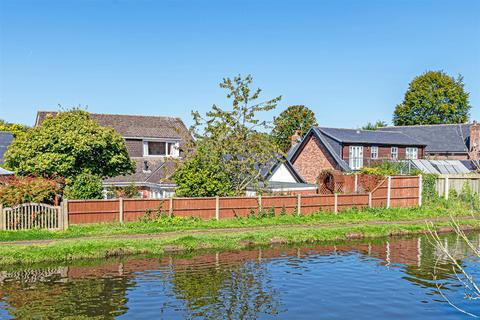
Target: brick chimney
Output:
[
  {"x": 474, "y": 151},
  {"x": 295, "y": 137}
]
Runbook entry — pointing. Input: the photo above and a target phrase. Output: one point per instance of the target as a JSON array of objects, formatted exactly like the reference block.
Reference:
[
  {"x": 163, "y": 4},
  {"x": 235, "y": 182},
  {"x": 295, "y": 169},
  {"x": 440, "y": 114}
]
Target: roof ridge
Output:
[
  {"x": 429, "y": 125},
  {"x": 117, "y": 114}
]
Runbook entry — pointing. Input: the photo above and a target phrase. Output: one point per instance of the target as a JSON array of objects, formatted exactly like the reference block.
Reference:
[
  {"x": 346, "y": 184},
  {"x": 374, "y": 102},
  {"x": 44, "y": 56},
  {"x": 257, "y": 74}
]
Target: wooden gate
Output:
[{"x": 33, "y": 216}]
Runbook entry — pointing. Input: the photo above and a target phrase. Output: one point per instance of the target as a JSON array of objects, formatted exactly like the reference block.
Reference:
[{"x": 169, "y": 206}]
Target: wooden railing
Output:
[{"x": 33, "y": 216}]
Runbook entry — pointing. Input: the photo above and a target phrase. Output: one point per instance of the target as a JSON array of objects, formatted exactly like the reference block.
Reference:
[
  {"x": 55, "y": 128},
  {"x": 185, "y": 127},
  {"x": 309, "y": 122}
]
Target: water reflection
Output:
[{"x": 245, "y": 284}]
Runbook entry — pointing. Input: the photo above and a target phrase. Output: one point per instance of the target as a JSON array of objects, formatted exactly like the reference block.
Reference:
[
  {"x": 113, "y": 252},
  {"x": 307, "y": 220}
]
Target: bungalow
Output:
[
  {"x": 153, "y": 142},
  {"x": 445, "y": 141},
  {"x": 349, "y": 149}
]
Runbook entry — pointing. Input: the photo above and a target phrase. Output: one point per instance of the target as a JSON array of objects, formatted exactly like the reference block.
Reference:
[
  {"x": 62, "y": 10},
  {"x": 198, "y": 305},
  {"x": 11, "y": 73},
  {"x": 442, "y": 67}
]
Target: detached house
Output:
[
  {"x": 445, "y": 141},
  {"x": 153, "y": 142},
  {"x": 349, "y": 149}
]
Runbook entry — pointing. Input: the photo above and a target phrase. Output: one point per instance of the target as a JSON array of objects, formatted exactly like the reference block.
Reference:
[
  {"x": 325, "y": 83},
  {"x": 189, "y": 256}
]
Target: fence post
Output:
[
  {"x": 217, "y": 208},
  {"x": 260, "y": 208},
  {"x": 120, "y": 210},
  {"x": 170, "y": 207},
  {"x": 2, "y": 224},
  {"x": 389, "y": 189},
  {"x": 420, "y": 190},
  {"x": 447, "y": 187},
  {"x": 299, "y": 204},
  {"x": 65, "y": 214},
  {"x": 369, "y": 199},
  {"x": 335, "y": 204},
  {"x": 356, "y": 183}
]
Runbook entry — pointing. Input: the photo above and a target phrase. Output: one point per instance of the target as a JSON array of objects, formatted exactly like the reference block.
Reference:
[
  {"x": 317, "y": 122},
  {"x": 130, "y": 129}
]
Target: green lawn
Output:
[{"x": 161, "y": 225}]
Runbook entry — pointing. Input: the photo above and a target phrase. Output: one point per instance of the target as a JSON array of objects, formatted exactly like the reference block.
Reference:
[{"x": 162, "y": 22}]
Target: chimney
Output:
[
  {"x": 474, "y": 149},
  {"x": 146, "y": 167},
  {"x": 295, "y": 137}
]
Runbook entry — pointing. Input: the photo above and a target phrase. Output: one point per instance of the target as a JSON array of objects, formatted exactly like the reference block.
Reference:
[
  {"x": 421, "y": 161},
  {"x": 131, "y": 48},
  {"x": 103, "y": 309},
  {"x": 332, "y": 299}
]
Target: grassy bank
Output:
[
  {"x": 100, "y": 248},
  {"x": 438, "y": 209}
]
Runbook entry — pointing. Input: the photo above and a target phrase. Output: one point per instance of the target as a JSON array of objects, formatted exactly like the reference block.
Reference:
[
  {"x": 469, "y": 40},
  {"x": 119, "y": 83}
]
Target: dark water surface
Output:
[{"x": 375, "y": 279}]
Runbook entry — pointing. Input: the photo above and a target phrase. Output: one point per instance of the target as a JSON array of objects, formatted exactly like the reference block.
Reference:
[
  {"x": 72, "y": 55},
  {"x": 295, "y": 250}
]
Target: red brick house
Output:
[{"x": 349, "y": 150}]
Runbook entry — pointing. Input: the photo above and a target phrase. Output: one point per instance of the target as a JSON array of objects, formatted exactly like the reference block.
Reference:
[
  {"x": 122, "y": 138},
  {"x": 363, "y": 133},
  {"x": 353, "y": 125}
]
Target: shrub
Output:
[
  {"x": 18, "y": 190},
  {"x": 85, "y": 186}
]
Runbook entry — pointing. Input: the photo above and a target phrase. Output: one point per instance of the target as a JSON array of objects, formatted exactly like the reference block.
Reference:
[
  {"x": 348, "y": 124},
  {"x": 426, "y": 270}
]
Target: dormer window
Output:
[{"x": 160, "y": 148}]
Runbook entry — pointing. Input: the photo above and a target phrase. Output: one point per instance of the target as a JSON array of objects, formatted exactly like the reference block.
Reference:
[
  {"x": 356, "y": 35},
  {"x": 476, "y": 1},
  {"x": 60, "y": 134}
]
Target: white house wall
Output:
[{"x": 282, "y": 175}]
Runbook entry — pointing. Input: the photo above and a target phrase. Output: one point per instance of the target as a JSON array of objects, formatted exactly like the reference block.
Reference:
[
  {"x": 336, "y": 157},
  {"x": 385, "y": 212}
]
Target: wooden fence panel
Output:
[
  {"x": 238, "y": 206},
  {"x": 93, "y": 211},
  {"x": 315, "y": 203},
  {"x": 280, "y": 202},
  {"x": 133, "y": 209},
  {"x": 203, "y": 208},
  {"x": 345, "y": 201}
]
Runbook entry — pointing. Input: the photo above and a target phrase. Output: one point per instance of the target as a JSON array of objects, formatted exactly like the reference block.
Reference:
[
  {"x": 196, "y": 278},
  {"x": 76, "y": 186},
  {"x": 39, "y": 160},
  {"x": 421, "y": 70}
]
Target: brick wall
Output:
[
  {"x": 313, "y": 159},
  {"x": 443, "y": 156}
]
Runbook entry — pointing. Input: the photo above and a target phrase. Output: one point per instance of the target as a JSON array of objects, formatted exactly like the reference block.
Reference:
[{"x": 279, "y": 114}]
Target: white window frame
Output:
[
  {"x": 411, "y": 153},
  {"x": 355, "y": 157},
  {"x": 394, "y": 152},
  {"x": 175, "y": 149},
  {"x": 374, "y": 152}
]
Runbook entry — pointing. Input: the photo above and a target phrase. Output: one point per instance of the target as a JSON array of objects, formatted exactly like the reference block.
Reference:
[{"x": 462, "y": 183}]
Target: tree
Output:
[
  {"x": 289, "y": 121},
  {"x": 67, "y": 145},
  {"x": 433, "y": 98},
  {"x": 14, "y": 128},
  {"x": 229, "y": 149},
  {"x": 374, "y": 126},
  {"x": 84, "y": 186}
]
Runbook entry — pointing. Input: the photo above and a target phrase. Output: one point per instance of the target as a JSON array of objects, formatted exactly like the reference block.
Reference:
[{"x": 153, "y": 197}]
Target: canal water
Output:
[{"x": 396, "y": 278}]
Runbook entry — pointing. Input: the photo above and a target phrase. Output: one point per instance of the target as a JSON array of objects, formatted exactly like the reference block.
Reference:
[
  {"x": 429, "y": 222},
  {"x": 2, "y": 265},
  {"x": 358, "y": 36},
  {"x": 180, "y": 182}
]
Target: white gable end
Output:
[{"x": 282, "y": 175}]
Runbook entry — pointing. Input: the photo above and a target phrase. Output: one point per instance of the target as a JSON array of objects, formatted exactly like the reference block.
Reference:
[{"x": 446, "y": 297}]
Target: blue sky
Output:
[{"x": 349, "y": 61}]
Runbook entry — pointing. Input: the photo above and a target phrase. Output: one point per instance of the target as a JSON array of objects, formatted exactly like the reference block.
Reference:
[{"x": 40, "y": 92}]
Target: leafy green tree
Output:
[
  {"x": 229, "y": 149},
  {"x": 374, "y": 126},
  {"x": 433, "y": 98},
  {"x": 84, "y": 186},
  {"x": 294, "y": 118},
  {"x": 14, "y": 128},
  {"x": 67, "y": 145}
]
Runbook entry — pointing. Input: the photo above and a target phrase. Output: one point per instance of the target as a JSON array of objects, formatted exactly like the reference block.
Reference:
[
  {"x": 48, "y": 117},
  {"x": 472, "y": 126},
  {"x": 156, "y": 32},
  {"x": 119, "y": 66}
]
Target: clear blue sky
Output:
[{"x": 349, "y": 61}]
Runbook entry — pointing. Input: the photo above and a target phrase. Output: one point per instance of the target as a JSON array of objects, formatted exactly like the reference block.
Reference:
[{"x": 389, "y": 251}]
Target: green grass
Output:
[
  {"x": 64, "y": 251},
  {"x": 437, "y": 210}
]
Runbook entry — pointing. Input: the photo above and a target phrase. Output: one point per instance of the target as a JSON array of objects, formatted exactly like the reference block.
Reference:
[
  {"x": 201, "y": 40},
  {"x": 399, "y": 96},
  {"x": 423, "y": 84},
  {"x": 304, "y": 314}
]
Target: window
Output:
[
  {"x": 355, "y": 157},
  {"x": 394, "y": 152},
  {"x": 374, "y": 152},
  {"x": 160, "y": 148},
  {"x": 412, "y": 153}
]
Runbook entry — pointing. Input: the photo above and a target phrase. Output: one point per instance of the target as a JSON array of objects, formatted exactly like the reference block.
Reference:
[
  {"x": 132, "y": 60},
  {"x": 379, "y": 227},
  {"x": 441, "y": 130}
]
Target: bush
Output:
[
  {"x": 85, "y": 186},
  {"x": 129, "y": 192},
  {"x": 18, "y": 190}
]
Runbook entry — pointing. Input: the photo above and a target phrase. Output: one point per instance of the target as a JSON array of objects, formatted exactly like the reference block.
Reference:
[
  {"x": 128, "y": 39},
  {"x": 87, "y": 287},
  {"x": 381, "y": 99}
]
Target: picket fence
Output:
[
  {"x": 394, "y": 191},
  {"x": 33, "y": 216}
]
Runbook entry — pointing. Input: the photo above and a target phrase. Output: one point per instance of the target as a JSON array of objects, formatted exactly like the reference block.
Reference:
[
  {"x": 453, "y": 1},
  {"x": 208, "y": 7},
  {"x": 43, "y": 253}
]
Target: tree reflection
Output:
[{"x": 238, "y": 291}]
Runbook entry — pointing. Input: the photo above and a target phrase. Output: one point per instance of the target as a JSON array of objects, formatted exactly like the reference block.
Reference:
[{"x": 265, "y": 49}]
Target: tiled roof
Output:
[
  {"x": 136, "y": 126},
  {"x": 369, "y": 136},
  {"x": 6, "y": 139},
  {"x": 158, "y": 172},
  {"x": 438, "y": 138}
]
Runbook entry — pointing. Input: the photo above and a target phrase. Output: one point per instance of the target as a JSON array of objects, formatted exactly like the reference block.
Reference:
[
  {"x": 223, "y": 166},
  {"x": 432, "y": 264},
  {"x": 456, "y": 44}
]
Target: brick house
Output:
[
  {"x": 349, "y": 150},
  {"x": 445, "y": 141},
  {"x": 153, "y": 142}
]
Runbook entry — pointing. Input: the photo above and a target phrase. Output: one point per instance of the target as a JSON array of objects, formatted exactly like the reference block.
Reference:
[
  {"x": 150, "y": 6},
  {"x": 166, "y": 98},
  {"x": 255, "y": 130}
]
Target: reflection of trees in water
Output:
[
  {"x": 236, "y": 291},
  {"x": 102, "y": 298}
]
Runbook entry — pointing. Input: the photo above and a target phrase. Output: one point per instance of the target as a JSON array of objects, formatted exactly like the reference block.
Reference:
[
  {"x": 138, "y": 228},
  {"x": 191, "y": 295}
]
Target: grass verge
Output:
[
  {"x": 100, "y": 248},
  {"x": 438, "y": 209}
]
